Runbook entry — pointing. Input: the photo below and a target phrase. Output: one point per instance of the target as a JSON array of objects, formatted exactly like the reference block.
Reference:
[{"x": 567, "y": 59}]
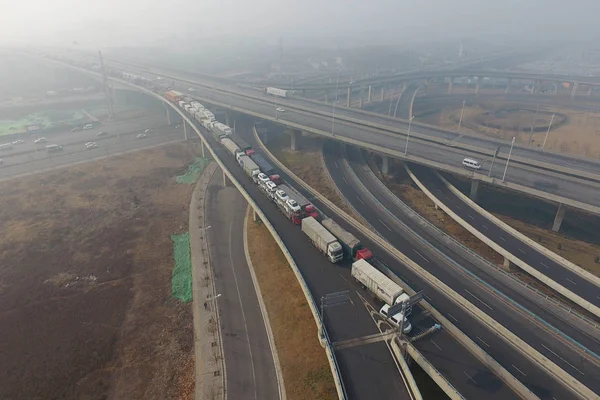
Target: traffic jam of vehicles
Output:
[{"x": 333, "y": 241}]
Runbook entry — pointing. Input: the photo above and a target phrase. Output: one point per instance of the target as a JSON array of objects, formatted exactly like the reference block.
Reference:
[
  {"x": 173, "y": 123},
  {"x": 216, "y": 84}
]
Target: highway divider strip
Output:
[
  {"x": 390, "y": 130},
  {"x": 508, "y": 255},
  {"x": 517, "y": 308},
  {"x": 408, "y": 157},
  {"x": 479, "y": 353},
  {"x": 531, "y": 243},
  {"x": 264, "y": 313}
]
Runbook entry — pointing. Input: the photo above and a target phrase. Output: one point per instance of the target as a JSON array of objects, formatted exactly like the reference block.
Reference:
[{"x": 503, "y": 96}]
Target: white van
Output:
[{"x": 470, "y": 163}]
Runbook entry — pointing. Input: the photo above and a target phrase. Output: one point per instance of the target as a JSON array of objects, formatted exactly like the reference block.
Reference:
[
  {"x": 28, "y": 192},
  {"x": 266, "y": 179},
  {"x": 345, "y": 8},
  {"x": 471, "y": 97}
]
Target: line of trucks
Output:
[{"x": 323, "y": 232}]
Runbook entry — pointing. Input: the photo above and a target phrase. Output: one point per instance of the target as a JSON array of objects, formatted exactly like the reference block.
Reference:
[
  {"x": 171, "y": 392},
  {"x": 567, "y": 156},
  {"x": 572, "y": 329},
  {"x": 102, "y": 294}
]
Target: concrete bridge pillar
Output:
[
  {"x": 589, "y": 93},
  {"x": 478, "y": 85},
  {"x": 361, "y": 98},
  {"x": 185, "y": 134},
  {"x": 556, "y": 87},
  {"x": 387, "y": 164},
  {"x": 255, "y": 216},
  {"x": 168, "y": 110},
  {"x": 574, "y": 87},
  {"x": 404, "y": 85},
  {"x": 508, "y": 86},
  {"x": 450, "y": 84},
  {"x": 295, "y": 142},
  {"x": 349, "y": 97},
  {"x": 474, "y": 189},
  {"x": 508, "y": 266},
  {"x": 202, "y": 148},
  {"x": 382, "y": 93},
  {"x": 326, "y": 96},
  {"x": 225, "y": 179},
  {"x": 227, "y": 118},
  {"x": 558, "y": 219},
  {"x": 535, "y": 85},
  {"x": 370, "y": 94}
]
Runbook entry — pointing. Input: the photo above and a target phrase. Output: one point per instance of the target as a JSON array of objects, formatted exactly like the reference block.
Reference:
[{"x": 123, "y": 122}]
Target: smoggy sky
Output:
[{"x": 127, "y": 22}]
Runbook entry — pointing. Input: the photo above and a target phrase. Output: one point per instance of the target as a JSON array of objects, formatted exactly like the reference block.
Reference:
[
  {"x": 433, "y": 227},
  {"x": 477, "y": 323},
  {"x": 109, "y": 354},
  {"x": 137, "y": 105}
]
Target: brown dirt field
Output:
[
  {"x": 307, "y": 163},
  {"x": 306, "y": 371},
  {"x": 579, "y": 135},
  {"x": 85, "y": 268}
]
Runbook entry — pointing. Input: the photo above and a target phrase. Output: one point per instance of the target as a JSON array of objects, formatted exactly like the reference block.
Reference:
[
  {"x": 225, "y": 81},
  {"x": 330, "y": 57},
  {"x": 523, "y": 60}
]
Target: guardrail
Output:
[
  {"x": 501, "y": 250},
  {"x": 449, "y": 240},
  {"x": 386, "y": 129},
  {"x": 479, "y": 353},
  {"x": 470, "y": 275}
]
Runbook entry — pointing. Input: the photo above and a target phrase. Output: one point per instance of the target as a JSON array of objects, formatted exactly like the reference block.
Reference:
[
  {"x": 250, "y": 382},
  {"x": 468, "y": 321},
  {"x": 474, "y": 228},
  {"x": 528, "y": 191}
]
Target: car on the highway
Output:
[
  {"x": 88, "y": 126},
  {"x": 191, "y": 89},
  {"x": 76, "y": 129},
  {"x": 91, "y": 145},
  {"x": 1, "y": 161},
  {"x": 159, "y": 78},
  {"x": 18, "y": 141},
  {"x": 40, "y": 140},
  {"x": 6, "y": 146},
  {"x": 141, "y": 135},
  {"x": 149, "y": 130},
  {"x": 262, "y": 178},
  {"x": 101, "y": 133},
  {"x": 280, "y": 109},
  {"x": 53, "y": 147}
]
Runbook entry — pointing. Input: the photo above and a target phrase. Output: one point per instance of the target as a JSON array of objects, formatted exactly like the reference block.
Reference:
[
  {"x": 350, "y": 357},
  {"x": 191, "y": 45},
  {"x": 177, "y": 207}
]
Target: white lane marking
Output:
[
  {"x": 572, "y": 366},
  {"x": 344, "y": 178},
  {"x": 388, "y": 228},
  {"x": 515, "y": 367},
  {"x": 502, "y": 238},
  {"x": 436, "y": 345},
  {"x": 479, "y": 300},
  {"x": 237, "y": 287},
  {"x": 521, "y": 250},
  {"x": 483, "y": 341},
  {"x": 452, "y": 316},
  {"x": 544, "y": 265},
  {"x": 457, "y": 206},
  {"x": 358, "y": 198},
  {"x": 469, "y": 376},
  {"x": 484, "y": 227},
  {"x": 574, "y": 283},
  {"x": 446, "y": 197},
  {"x": 421, "y": 255},
  {"x": 470, "y": 216}
]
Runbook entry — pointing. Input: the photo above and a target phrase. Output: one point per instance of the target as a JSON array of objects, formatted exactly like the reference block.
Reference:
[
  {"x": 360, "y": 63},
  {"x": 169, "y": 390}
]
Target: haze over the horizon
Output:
[{"x": 147, "y": 22}]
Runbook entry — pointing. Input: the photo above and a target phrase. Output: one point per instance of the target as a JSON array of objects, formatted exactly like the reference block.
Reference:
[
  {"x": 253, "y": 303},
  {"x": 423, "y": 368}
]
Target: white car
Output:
[
  {"x": 262, "y": 178},
  {"x": 88, "y": 127},
  {"x": 293, "y": 205},
  {"x": 40, "y": 140},
  {"x": 141, "y": 136},
  {"x": 159, "y": 78},
  {"x": 6, "y": 146},
  {"x": 281, "y": 196},
  {"x": 18, "y": 141},
  {"x": 91, "y": 145},
  {"x": 149, "y": 130},
  {"x": 191, "y": 89},
  {"x": 280, "y": 109},
  {"x": 396, "y": 319}
]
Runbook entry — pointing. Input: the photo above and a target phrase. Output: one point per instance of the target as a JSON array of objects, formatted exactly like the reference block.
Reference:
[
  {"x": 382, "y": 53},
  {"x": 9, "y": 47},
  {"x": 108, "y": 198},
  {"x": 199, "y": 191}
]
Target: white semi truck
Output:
[
  {"x": 322, "y": 239},
  {"x": 383, "y": 288}
]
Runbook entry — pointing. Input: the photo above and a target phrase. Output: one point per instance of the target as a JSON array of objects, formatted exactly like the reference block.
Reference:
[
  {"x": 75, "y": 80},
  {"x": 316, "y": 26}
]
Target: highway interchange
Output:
[{"x": 544, "y": 386}]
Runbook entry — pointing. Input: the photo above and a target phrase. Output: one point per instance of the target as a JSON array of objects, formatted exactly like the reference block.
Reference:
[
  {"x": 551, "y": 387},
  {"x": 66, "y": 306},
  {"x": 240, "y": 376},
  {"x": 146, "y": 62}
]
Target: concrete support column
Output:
[
  {"x": 225, "y": 179},
  {"x": 535, "y": 85},
  {"x": 450, "y": 84},
  {"x": 167, "y": 109},
  {"x": 574, "y": 86},
  {"x": 202, "y": 148},
  {"x": 474, "y": 189},
  {"x": 508, "y": 266},
  {"x": 386, "y": 165},
  {"x": 370, "y": 95},
  {"x": 227, "y": 118},
  {"x": 360, "y": 99},
  {"x": 349, "y": 97},
  {"x": 295, "y": 142},
  {"x": 255, "y": 216},
  {"x": 404, "y": 84},
  {"x": 508, "y": 86},
  {"x": 382, "y": 94},
  {"x": 589, "y": 93},
  {"x": 478, "y": 85},
  {"x": 326, "y": 96},
  {"x": 185, "y": 130},
  {"x": 558, "y": 219}
]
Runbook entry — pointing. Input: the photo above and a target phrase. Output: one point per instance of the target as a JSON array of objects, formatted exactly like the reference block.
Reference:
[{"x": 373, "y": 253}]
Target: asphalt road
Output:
[
  {"x": 445, "y": 270},
  {"x": 363, "y": 380},
  {"x": 28, "y": 157},
  {"x": 248, "y": 358},
  {"x": 516, "y": 174},
  {"x": 547, "y": 266}
]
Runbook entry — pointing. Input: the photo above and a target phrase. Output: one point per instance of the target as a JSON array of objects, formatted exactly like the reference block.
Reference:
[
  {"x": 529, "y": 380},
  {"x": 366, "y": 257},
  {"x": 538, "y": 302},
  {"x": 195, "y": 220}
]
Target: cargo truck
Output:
[
  {"x": 181, "y": 103},
  {"x": 322, "y": 239},
  {"x": 353, "y": 248},
  {"x": 249, "y": 167},
  {"x": 293, "y": 213},
  {"x": 383, "y": 288},
  {"x": 230, "y": 146},
  {"x": 308, "y": 209},
  {"x": 208, "y": 115},
  {"x": 173, "y": 96},
  {"x": 264, "y": 165},
  {"x": 276, "y": 92},
  {"x": 246, "y": 148},
  {"x": 222, "y": 129}
]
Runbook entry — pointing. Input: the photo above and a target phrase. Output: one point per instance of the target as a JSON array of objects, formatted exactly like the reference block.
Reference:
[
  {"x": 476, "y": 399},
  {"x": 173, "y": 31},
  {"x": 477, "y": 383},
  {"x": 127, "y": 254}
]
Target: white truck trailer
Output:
[{"x": 322, "y": 239}]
